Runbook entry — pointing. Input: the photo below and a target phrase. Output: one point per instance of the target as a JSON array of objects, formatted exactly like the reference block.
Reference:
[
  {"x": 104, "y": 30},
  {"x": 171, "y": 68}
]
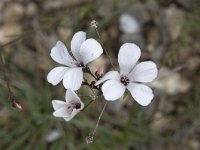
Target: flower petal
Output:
[
  {"x": 90, "y": 50},
  {"x": 56, "y": 75},
  {"x": 141, "y": 93},
  {"x": 74, "y": 112},
  {"x": 57, "y": 104},
  {"x": 62, "y": 112},
  {"x": 60, "y": 54},
  {"x": 144, "y": 72},
  {"x": 73, "y": 78},
  {"x": 129, "y": 54},
  {"x": 77, "y": 40},
  {"x": 109, "y": 75},
  {"x": 113, "y": 90},
  {"x": 71, "y": 96}
]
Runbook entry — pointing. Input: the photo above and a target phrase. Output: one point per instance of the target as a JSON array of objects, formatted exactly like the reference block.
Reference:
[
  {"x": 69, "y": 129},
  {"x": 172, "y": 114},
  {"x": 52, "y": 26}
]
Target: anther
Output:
[{"x": 124, "y": 80}]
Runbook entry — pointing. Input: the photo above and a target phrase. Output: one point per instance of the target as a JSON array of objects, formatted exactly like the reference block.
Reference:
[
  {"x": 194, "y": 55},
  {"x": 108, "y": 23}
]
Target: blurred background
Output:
[{"x": 167, "y": 31}]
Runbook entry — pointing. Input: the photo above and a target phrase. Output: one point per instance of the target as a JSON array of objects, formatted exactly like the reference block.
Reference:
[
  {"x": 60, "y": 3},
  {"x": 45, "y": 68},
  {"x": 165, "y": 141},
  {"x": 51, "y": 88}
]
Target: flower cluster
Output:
[{"x": 113, "y": 84}]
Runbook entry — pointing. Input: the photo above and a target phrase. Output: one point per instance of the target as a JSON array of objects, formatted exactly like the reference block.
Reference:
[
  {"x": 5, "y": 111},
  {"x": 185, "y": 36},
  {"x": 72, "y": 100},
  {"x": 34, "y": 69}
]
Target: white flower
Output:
[
  {"x": 130, "y": 76},
  {"x": 84, "y": 51},
  {"x": 69, "y": 108}
]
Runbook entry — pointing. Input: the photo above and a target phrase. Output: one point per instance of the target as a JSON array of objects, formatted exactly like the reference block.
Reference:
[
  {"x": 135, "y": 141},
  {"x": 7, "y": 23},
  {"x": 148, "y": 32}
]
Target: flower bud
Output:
[
  {"x": 100, "y": 72},
  {"x": 94, "y": 24}
]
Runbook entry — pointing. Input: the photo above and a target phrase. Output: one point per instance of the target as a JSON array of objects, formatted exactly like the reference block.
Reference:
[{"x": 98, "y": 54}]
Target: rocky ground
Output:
[{"x": 168, "y": 33}]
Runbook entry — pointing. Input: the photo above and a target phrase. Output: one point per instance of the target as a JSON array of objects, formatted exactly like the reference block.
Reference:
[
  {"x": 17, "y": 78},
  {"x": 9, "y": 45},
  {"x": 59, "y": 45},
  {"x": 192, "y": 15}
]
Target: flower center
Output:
[
  {"x": 80, "y": 64},
  {"x": 124, "y": 80},
  {"x": 77, "y": 105}
]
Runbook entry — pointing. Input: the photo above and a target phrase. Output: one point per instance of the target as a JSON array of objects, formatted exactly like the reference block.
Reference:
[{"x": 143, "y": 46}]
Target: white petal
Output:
[
  {"x": 60, "y": 54},
  {"x": 112, "y": 90},
  {"x": 90, "y": 50},
  {"x": 129, "y": 54},
  {"x": 56, "y": 75},
  {"x": 73, "y": 78},
  {"x": 109, "y": 75},
  {"x": 141, "y": 93},
  {"x": 76, "y": 43},
  {"x": 57, "y": 104},
  {"x": 144, "y": 72},
  {"x": 71, "y": 96},
  {"x": 74, "y": 112},
  {"x": 62, "y": 112}
]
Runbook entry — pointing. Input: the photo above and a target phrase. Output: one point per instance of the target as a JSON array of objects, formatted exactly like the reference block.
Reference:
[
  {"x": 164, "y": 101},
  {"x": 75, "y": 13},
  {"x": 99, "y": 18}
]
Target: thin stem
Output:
[
  {"x": 11, "y": 42},
  {"x": 104, "y": 48},
  {"x": 11, "y": 97},
  {"x": 89, "y": 71},
  {"x": 88, "y": 104},
  {"x": 92, "y": 87},
  {"x": 90, "y": 138},
  {"x": 97, "y": 124},
  {"x": 5, "y": 75}
]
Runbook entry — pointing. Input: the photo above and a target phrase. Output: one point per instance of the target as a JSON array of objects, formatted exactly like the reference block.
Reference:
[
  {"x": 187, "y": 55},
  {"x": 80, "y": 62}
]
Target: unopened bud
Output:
[
  {"x": 90, "y": 139},
  {"x": 99, "y": 73},
  {"x": 16, "y": 104},
  {"x": 93, "y": 96},
  {"x": 94, "y": 24}
]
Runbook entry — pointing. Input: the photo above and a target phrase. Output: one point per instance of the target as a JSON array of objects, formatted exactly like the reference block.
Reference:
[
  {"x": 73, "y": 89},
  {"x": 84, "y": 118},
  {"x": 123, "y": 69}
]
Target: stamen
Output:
[
  {"x": 80, "y": 64},
  {"x": 77, "y": 105},
  {"x": 124, "y": 80}
]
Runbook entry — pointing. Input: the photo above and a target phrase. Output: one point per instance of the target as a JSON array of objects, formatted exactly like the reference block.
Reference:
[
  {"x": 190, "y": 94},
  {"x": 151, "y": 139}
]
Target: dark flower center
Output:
[
  {"x": 124, "y": 80},
  {"x": 80, "y": 64},
  {"x": 77, "y": 105}
]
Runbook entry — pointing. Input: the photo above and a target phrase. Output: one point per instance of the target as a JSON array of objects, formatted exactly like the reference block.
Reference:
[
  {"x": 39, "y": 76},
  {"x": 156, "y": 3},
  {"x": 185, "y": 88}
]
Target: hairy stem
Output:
[{"x": 90, "y": 138}]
